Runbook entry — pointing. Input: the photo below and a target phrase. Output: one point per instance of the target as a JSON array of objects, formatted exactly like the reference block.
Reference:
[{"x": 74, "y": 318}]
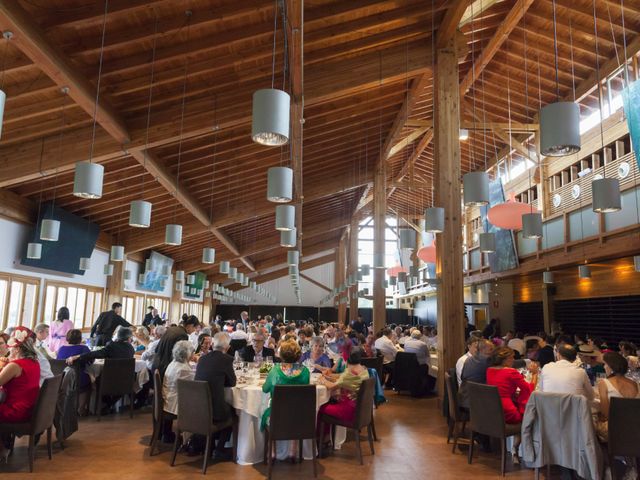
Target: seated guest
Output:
[
  {"x": 545, "y": 352},
  {"x": 564, "y": 376},
  {"x": 216, "y": 368},
  {"x": 288, "y": 372},
  {"x": 615, "y": 385},
  {"x": 164, "y": 350},
  {"x": 142, "y": 339},
  {"x": 19, "y": 380},
  {"x": 517, "y": 344},
  {"x": 59, "y": 329},
  {"x": 316, "y": 355},
  {"x": 273, "y": 342},
  {"x": 629, "y": 351},
  {"x": 75, "y": 347},
  {"x": 204, "y": 344},
  {"x": 389, "y": 351},
  {"x": 413, "y": 344},
  {"x": 41, "y": 335},
  {"x": 256, "y": 352},
  {"x": 532, "y": 348},
  {"x": 178, "y": 369},
  {"x": 239, "y": 333},
  {"x": 4, "y": 350},
  {"x": 149, "y": 354},
  {"x": 121, "y": 348},
  {"x": 513, "y": 389},
  {"x": 345, "y": 389},
  {"x": 368, "y": 345},
  {"x": 475, "y": 369},
  {"x": 472, "y": 348},
  {"x": 152, "y": 319},
  {"x": 591, "y": 362}
]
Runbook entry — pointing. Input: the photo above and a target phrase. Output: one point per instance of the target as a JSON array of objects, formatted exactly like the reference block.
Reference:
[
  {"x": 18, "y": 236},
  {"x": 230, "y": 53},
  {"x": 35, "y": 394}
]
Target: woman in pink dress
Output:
[{"x": 58, "y": 330}]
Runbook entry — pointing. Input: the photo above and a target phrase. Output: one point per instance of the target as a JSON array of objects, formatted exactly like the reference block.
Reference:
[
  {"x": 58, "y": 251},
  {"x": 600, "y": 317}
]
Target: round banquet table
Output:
[{"x": 250, "y": 403}]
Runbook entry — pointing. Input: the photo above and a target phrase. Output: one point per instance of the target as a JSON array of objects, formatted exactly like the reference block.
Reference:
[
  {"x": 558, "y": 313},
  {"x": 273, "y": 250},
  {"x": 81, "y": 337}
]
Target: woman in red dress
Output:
[
  {"x": 19, "y": 381},
  {"x": 514, "y": 390}
]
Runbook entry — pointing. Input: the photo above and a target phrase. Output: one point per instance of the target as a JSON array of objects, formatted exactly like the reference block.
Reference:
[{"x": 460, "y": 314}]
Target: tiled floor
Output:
[{"x": 412, "y": 445}]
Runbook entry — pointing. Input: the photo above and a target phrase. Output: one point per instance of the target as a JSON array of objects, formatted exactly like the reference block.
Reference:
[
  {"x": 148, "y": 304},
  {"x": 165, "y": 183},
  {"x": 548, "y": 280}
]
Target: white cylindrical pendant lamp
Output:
[
  {"x": 560, "y": 129},
  {"x": 584, "y": 271},
  {"x": 475, "y": 188},
  {"x": 166, "y": 270},
  {"x": 285, "y": 217},
  {"x": 606, "y": 195},
  {"x": 547, "y": 277},
  {"x": 279, "y": 184},
  {"x": 245, "y": 282},
  {"x": 487, "y": 242},
  {"x": 87, "y": 181},
  {"x": 193, "y": 290},
  {"x": 178, "y": 287},
  {"x": 141, "y": 277},
  {"x": 140, "y": 214},
  {"x": 393, "y": 281},
  {"x": 270, "y": 119},
  {"x": 3, "y": 99},
  {"x": 34, "y": 250},
  {"x": 208, "y": 255},
  {"x": 366, "y": 270},
  {"x": 532, "y": 225},
  {"x": 233, "y": 272},
  {"x": 224, "y": 266},
  {"x": 434, "y": 219},
  {"x": 206, "y": 284},
  {"x": 127, "y": 275},
  {"x": 173, "y": 234},
  {"x": 117, "y": 253},
  {"x": 85, "y": 263},
  {"x": 288, "y": 238},
  {"x": 148, "y": 265},
  {"x": 191, "y": 279},
  {"x": 108, "y": 269},
  {"x": 407, "y": 238},
  {"x": 293, "y": 270},
  {"x": 293, "y": 257},
  {"x": 378, "y": 260},
  {"x": 50, "y": 230},
  {"x": 179, "y": 275}
]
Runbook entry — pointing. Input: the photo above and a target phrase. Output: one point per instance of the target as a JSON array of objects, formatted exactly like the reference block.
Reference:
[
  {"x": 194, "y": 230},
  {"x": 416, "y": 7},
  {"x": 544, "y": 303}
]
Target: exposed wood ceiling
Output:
[{"x": 365, "y": 85}]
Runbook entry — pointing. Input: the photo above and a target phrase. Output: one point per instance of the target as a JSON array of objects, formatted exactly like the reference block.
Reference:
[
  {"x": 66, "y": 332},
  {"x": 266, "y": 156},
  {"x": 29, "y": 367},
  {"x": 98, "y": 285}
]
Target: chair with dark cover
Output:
[
  {"x": 445, "y": 403},
  {"x": 235, "y": 346},
  {"x": 158, "y": 415},
  {"x": 363, "y": 417},
  {"x": 624, "y": 430},
  {"x": 374, "y": 362},
  {"x": 458, "y": 417},
  {"x": 66, "y": 417},
  {"x": 41, "y": 419},
  {"x": 116, "y": 379},
  {"x": 487, "y": 418},
  {"x": 408, "y": 376},
  {"x": 285, "y": 426},
  {"x": 58, "y": 366},
  {"x": 195, "y": 415}
]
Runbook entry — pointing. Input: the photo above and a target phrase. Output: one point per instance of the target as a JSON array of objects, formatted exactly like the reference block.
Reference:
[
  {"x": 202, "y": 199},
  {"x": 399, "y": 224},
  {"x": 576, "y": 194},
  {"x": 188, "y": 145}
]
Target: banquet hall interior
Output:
[{"x": 319, "y": 238}]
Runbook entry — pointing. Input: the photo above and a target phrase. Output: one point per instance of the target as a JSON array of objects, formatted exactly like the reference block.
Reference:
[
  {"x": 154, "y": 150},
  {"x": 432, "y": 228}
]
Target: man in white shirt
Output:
[
  {"x": 42, "y": 333},
  {"x": 388, "y": 350},
  {"x": 244, "y": 318},
  {"x": 150, "y": 352},
  {"x": 564, "y": 376},
  {"x": 472, "y": 348},
  {"x": 239, "y": 333},
  {"x": 413, "y": 344}
]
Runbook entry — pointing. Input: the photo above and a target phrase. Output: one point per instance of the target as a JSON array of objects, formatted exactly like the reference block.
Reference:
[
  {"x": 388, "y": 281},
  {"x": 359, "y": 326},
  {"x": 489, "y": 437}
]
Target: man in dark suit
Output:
[
  {"x": 173, "y": 335},
  {"x": 107, "y": 323},
  {"x": 256, "y": 352},
  {"x": 148, "y": 318},
  {"x": 216, "y": 368}
]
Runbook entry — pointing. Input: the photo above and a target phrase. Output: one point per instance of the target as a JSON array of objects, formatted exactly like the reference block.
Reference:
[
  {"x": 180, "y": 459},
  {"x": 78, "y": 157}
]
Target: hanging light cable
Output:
[
  {"x": 7, "y": 35},
  {"x": 173, "y": 231},
  {"x": 34, "y": 249},
  {"x": 140, "y": 210},
  {"x": 88, "y": 178},
  {"x": 209, "y": 253}
]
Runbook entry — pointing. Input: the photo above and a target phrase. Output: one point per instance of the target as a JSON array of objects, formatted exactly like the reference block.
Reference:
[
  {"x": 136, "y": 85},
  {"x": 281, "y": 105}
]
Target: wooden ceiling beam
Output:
[
  {"x": 450, "y": 22},
  {"x": 28, "y": 37}
]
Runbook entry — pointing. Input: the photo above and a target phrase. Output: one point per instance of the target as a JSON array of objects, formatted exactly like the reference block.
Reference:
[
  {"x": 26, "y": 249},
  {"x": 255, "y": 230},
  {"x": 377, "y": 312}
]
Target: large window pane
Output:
[
  {"x": 4, "y": 297},
  {"x": 30, "y": 302},
  {"x": 79, "y": 313},
  {"x": 72, "y": 294},
  {"x": 62, "y": 298},
  {"x": 15, "y": 304},
  {"x": 49, "y": 304}
]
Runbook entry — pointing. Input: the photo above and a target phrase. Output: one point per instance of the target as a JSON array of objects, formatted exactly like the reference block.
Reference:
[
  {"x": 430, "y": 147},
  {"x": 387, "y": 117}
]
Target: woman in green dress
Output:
[{"x": 289, "y": 372}]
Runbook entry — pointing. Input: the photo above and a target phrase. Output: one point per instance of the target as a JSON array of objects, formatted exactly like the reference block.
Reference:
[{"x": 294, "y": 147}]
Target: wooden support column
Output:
[
  {"x": 176, "y": 300},
  {"x": 115, "y": 286},
  {"x": 353, "y": 267},
  {"x": 547, "y": 307},
  {"x": 451, "y": 322},
  {"x": 379, "y": 214}
]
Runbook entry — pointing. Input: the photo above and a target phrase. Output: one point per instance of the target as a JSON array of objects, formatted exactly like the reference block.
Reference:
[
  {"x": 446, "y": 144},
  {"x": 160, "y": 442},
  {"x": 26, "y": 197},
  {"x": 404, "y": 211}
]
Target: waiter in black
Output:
[{"x": 107, "y": 323}]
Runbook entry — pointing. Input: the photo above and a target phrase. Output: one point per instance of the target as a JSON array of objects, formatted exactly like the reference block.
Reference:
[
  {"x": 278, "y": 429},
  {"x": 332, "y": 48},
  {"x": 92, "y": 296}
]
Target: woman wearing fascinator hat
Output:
[{"x": 19, "y": 381}]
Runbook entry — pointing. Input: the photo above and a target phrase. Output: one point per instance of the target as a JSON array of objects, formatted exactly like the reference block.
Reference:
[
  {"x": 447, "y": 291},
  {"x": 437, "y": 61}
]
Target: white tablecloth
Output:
[
  {"x": 142, "y": 373},
  {"x": 250, "y": 403}
]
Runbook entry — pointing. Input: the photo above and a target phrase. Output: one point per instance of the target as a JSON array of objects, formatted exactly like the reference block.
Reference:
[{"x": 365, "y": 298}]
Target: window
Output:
[
  {"x": 84, "y": 303},
  {"x": 192, "y": 308},
  {"x": 134, "y": 307},
  {"x": 18, "y": 300}
]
